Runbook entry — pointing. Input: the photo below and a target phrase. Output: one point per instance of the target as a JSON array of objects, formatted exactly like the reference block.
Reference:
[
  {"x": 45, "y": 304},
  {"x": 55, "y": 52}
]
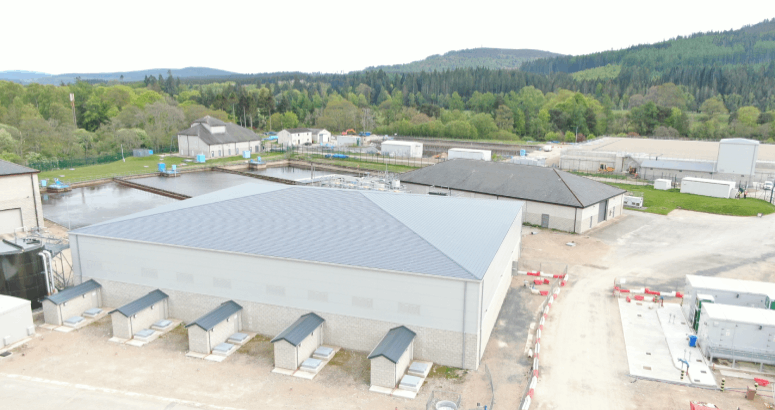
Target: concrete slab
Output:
[
  {"x": 285, "y": 372},
  {"x": 65, "y": 329},
  {"x": 648, "y": 354},
  {"x": 196, "y": 355},
  {"x": 405, "y": 394},
  {"x": 219, "y": 357},
  {"x": 676, "y": 333},
  {"x": 215, "y": 358}
]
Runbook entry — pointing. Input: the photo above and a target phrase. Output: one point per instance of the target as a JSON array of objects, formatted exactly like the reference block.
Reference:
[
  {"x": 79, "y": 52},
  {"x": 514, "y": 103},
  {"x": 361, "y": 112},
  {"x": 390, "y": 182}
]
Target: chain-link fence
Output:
[
  {"x": 345, "y": 155},
  {"x": 65, "y": 163}
]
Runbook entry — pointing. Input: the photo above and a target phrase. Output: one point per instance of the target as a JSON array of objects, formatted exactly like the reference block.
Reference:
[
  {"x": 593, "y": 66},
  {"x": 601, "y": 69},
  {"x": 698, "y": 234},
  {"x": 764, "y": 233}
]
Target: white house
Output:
[
  {"x": 447, "y": 288},
  {"x": 20, "y": 205},
  {"x": 215, "y": 138},
  {"x": 295, "y": 136},
  {"x": 320, "y": 136}
]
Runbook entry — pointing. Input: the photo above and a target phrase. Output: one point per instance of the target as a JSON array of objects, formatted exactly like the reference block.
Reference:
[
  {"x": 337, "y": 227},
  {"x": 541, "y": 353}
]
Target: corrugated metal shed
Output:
[
  {"x": 740, "y": 314},
  {"x": 9, "y": 168},
  {"x": 423, "y": 231},
  {"x": 732, "y": 285},
  {"x": 73, "y": 292},
  {"x": 217, "y": 315},
  {"x": 234, "y": 133},
  {"x": 300, "y": 329},
  {"x": 526, "y": 182},
  {"x": 678, "y": 165},
  {"x": 143, "y": 303},
  {"x": 394, "y": 344}
]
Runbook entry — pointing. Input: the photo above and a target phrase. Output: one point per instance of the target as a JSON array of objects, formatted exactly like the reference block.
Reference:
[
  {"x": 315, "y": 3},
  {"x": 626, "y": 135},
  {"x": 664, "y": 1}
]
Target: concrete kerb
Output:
[{"x": 543, "y": 314}]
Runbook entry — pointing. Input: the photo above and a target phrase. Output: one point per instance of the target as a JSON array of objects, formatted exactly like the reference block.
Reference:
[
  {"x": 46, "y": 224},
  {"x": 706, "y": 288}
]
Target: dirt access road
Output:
[{"x": 583, "y": 357}]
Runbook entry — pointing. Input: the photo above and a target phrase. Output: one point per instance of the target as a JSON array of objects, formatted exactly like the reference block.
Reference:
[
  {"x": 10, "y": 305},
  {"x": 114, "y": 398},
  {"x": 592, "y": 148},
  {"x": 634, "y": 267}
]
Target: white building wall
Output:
[
  {"x": 20, "y": 194},
  {"x": 189, "y": 146},
  {"x": 16, "y": 323},
  {"x": 346, "y": 297}
]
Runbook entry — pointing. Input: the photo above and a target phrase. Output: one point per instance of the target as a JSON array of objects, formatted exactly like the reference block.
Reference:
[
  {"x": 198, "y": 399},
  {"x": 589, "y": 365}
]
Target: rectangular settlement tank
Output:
[
  {"x": 737, "y": 156},
  {"x": 481, "y": 154},
  {"x": 707, "y": 187}
]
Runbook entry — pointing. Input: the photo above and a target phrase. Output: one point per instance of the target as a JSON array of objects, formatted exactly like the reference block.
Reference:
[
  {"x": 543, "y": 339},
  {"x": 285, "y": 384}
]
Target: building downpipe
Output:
[
  {"x": 465, "y": 295},
  {"x": 46, "y": 272}
]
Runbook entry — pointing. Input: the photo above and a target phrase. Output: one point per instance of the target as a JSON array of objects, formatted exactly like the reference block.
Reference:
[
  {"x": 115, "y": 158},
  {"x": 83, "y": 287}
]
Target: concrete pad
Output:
[
  {"x": 64, "y": 329},
  {"x": 676, "y": 333},
  {"x": 285, "y": 372},
  {"x": 47, "y": 326},
  {"x": 117, "y": 340},
  {"x": 648, "y": 354},
  {"x": 196, "y": 355},
  {"x": 304, "y": 375},
  {"x": 424, "y": 374},
  {"x": 215, "y": 358},
  {"x": 405, "y": 394},
  {"x": 136, "y": 343},
  {"x": 380, "y": 389}
]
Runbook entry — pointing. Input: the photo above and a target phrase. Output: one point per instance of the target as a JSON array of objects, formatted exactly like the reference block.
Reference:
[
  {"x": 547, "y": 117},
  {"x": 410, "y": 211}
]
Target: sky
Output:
[{"x": 78, "y": 36}]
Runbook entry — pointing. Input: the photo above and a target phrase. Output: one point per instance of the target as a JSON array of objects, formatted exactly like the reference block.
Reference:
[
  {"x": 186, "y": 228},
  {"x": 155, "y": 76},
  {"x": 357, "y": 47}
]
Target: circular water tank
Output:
[{"x": 446, "y": 405}]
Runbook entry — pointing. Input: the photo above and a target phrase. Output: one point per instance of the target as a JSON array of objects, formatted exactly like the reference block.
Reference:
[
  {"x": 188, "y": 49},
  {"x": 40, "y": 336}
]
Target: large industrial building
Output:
[
  {"x": 441, "y": 267},
  {"x": 20, "y": 206},
  {"x": 734, "y": 159},
  {"x": 214, "y": 138},
  {"x": 553, "y": 199}
]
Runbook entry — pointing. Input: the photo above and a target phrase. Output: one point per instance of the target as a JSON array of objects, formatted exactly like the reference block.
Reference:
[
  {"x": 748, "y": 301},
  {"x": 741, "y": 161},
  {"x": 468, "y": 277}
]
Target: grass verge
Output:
[
  {"x": 446, "y": 372},
  {"x": 662, "y": 202},
  {"x": 135, "y": 165}
]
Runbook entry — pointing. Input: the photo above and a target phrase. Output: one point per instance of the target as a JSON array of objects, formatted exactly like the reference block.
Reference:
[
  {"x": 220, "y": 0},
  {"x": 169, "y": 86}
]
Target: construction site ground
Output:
[
  {"x": 705, "y": 150},
  {"x": 583, "y": 357}
]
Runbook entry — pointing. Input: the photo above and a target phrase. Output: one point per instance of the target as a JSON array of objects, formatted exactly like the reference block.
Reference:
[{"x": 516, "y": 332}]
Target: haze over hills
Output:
[
  {"x": 128, "y": 76},
  {"x": 494, "y": 58}
]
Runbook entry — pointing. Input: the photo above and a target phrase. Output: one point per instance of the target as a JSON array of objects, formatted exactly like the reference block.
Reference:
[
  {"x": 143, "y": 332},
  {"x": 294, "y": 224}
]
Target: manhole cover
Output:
[
  {"x": 648, "y": 353},
  {"x": 5, "y": 354}
]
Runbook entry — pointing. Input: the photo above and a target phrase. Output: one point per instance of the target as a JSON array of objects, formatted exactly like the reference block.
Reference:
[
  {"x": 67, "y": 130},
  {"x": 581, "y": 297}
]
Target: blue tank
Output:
[{"x": 162, "y": 167}]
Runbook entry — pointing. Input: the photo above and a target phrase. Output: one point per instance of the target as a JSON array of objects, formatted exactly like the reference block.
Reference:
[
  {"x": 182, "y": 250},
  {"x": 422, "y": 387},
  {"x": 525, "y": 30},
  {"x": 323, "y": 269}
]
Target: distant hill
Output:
[
  {"x": 495, "y": 58},
  {"x": 753, "y": 44},
  {"x": 42, "y": 78}
]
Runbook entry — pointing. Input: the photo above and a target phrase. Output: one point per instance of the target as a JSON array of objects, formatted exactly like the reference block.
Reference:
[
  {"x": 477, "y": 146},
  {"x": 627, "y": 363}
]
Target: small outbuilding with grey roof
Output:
[
  {"x": 214, "y": 328},
  {"x": 72, "y": 302},
  {"x": 140, "y": 314},
  {"x": 553, "y": 199},
  {"x": 391, "y": 357},
  {"x": 298, "y": 341}
]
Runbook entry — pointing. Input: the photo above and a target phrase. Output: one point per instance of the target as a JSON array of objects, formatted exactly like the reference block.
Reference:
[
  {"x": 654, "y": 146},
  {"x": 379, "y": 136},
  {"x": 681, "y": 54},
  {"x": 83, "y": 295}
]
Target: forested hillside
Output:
[
  {"x": 493, "y": 58},
  {"x": 698, "y": 101},
  {"x": 127, "y": 76},
  {"x": 749, "y": 45}
]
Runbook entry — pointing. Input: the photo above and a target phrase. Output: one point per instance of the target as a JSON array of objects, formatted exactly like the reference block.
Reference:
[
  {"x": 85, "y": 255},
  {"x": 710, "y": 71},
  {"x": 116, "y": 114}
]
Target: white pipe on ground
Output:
[{"x": 45, "y": 271}]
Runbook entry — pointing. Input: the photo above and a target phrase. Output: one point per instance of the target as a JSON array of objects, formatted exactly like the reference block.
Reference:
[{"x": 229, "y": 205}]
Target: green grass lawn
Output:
[
  {"x": 662, "y": 202},
  {"x": 134, "y": 165}
]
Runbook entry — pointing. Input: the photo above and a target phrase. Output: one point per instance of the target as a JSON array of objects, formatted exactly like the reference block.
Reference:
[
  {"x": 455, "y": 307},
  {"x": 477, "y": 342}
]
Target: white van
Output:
[
  {"x": 547, "y": 148},
  {"x": 768, "y": 186}
]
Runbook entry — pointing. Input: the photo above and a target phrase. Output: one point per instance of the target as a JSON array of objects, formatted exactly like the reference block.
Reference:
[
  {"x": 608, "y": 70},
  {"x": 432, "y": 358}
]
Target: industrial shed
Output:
[
  {"x": 298, "y": 341},
  {"x": 20, "y": 206},
  {"x": 214, "y": 138},
  {"x": 140, "y": 314},
  {"x": 214, "y": 328},
  {"x": 553, "y": 199},
  {"x": 447, "y": 287},
  {"x": 15, "y": 320},
  {"x": 737, "y": 333},
  {"x": 701, "y": 290},
  {"x": 467, "y": 153},
  {"x": 391, "y": 357},
  {"x": 402, "y": 149},
  {"x": 72, "y": 302}
]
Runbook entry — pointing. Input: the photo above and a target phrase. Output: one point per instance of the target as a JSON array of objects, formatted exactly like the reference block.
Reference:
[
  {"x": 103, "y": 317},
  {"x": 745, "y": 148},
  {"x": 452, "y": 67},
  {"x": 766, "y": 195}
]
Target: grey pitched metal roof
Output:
[
  {"x": 297, "y": 130},
  {"x": 301, "y": 328},
  {"x": 678, "y": 165},
  {"x": 141, "y": 304},
  {"x": 73, "y": 292},
  {"x": 423, "y": 231},
  {"x": 210, "y": 121},
  {"x": 217, "y": 315},
  {"x": 234, "y": 133},
  {"x": 394, "y": 344},
  {"x": 9, "y": 168},
  {"x": 540, "y": 184}
]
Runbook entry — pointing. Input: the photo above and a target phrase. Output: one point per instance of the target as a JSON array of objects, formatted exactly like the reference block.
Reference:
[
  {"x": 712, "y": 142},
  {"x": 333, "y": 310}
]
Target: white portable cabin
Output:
[
  {"x": 663, "y": 184},
  {"x": 402, "y": 149},
  {"x": 348, "y": 140},
  {"x": 15, "y": 320},
  {"x": 707, "y": 187},
  {"x": 466, "y": 153},
  {"x": 726, "y": 291},
  {"x": 737, "y": 333}
]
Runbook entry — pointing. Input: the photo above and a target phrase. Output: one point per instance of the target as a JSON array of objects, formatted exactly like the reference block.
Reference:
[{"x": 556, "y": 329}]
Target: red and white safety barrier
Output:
[
  {"x": 542, "y": 274},
  {"x": 647, "y": 291},
  {"x": 528, "y": 398}
]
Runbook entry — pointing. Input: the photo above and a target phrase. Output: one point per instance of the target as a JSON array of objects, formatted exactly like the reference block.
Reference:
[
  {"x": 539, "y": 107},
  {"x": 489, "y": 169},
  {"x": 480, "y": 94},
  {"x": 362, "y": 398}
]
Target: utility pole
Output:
[{"x": 72, "y": 104}]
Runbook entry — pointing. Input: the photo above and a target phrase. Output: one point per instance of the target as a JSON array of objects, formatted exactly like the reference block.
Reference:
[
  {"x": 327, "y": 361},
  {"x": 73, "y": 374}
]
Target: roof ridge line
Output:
[
  {"x": 569, "y": 188},
  {"x": 420, "y": 236}
]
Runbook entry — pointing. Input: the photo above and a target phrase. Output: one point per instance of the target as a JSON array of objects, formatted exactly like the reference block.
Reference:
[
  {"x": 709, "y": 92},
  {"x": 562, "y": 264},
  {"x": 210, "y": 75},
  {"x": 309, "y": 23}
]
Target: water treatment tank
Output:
[
  {"x": 162, "y": 167},
  {"x": 21, "y": 270}
]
